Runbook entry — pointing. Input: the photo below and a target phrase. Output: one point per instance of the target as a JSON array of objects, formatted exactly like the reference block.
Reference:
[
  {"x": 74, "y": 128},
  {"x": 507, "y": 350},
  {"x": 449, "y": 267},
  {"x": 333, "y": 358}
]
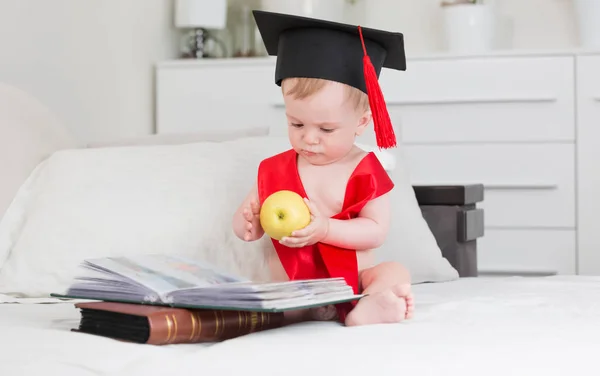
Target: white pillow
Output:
[
  {"x": 208, "y": 135},
  {"x": 29, "y": 132},
  {"x": 176, "y": 199}
]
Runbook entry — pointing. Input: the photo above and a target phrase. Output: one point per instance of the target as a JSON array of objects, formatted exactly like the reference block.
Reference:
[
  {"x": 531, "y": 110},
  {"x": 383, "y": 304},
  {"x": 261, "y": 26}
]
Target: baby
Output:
[{"x": 346, "y": 188}]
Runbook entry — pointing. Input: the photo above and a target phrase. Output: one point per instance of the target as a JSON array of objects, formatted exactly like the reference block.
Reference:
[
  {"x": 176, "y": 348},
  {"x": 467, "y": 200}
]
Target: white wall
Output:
[{"x": 90, "y": 60}]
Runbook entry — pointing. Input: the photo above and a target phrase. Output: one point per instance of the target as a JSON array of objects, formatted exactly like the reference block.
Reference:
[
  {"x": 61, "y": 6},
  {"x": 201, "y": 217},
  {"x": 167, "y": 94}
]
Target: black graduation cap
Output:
[{"x": 353, "y": 55}]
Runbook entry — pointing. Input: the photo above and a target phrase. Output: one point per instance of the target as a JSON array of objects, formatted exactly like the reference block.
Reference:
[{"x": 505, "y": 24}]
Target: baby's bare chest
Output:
[{"x": 326, "y": 187}]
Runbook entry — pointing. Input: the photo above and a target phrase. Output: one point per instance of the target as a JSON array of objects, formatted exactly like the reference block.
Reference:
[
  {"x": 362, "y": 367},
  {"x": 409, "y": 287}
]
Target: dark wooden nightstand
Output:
[{"x": 452, "y": 215}]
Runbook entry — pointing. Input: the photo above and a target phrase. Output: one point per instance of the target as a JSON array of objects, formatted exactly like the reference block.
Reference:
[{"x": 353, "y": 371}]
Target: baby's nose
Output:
[
  {"x": 311, "y": 139},
  {"x": 311, "y": 136}
]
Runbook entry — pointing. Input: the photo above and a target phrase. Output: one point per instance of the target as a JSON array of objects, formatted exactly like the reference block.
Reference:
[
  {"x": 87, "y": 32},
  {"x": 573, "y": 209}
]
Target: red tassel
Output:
[{"x": 384, "y": 130}]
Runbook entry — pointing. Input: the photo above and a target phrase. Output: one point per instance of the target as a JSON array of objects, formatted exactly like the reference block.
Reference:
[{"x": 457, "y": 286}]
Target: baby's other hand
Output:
[
  {"x": 251, "y": 214},
  {"x": 315, "y": 232}
]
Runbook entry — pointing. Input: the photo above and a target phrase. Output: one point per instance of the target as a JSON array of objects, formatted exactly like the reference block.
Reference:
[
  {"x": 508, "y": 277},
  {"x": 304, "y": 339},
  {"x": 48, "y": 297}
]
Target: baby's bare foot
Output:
[
  {"x": 404, "y": 291},
  {"x": 379, "y": 308}
]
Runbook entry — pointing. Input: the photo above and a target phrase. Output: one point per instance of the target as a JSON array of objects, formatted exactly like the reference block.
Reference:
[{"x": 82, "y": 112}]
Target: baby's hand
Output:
[
  {"x": 251, "y": 214},
  {"x": 315, "y": 232}
]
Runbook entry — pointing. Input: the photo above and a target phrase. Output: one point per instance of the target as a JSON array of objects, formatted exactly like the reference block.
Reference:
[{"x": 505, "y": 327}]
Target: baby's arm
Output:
[
  {"x": 246, "y": 221},
  {"x": 365, "y": 232}
]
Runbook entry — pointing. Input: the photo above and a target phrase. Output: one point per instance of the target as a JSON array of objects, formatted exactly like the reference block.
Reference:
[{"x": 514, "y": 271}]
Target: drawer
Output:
[
  {"x": 526, "y": 185},
  {"x": 222, "y": 95},
  {"x": 527, "y": 252},
  {"x": 482, "y": 99}
]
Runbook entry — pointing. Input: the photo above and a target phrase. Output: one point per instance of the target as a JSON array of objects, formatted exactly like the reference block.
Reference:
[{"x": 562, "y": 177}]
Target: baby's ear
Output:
[{"x": 363, "y": 122}]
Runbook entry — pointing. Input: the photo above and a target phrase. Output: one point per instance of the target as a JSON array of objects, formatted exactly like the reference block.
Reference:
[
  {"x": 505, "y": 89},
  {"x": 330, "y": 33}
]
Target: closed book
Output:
[{"x": 160, "y": 325}]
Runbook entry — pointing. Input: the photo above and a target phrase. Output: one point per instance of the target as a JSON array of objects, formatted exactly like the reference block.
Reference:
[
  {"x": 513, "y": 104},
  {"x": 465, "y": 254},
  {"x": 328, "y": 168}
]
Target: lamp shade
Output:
[{"x": 210, "y": 14}]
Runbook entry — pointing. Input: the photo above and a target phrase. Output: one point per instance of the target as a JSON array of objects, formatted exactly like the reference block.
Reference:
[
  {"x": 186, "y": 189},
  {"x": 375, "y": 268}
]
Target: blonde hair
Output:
[{"x": 303, "y": 87}]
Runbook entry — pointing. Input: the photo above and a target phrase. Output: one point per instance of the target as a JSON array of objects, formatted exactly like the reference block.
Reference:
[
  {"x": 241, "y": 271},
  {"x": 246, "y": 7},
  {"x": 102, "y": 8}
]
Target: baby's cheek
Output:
[
  {"x": 340, "y": 147},
  {"x": 295, "y": 141}
]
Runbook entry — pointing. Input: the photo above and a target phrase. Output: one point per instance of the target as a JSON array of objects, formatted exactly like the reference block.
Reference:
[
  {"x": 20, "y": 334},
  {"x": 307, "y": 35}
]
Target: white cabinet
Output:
[
  {"x": 526, "y": 185},
  {"x": 588, "y": 163},
  {"x": 521, "y": 125},
  {"x": 504, "y": 99},
  {"x": 525, "y": 251},
  {"x": 218, "y": 94}
]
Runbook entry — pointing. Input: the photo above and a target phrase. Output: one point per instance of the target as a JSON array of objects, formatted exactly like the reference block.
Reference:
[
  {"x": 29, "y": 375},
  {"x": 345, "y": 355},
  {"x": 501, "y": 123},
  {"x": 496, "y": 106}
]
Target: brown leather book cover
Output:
[{"x": 159, "y": 325}]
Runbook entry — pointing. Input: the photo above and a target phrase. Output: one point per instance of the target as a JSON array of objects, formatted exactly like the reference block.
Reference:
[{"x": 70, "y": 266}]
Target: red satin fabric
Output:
[{"x": 369, "y": 180}]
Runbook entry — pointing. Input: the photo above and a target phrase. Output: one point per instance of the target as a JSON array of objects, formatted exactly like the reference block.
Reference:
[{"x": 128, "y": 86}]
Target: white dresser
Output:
[{"x": 527, "y": 126}]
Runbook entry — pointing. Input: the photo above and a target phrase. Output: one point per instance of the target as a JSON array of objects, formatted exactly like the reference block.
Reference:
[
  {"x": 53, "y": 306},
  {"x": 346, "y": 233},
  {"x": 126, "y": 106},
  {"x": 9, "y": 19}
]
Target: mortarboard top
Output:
[{"x": 309, "y": 47}]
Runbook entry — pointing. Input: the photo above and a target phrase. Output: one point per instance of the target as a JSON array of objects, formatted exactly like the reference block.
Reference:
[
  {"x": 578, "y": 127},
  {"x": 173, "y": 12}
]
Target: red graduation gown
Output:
[{"x": 369, "y": 180}]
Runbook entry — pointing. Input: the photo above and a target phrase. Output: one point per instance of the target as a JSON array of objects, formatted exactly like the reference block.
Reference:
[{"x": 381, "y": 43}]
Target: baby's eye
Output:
[
  {"x": 327, "y": 130},
  {"x": 296, "y": 125}
]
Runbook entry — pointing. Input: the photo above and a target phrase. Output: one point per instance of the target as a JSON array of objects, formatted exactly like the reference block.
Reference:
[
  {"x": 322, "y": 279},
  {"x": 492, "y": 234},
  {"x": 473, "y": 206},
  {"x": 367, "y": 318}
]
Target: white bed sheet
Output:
[{"x": 479, "y": 326}]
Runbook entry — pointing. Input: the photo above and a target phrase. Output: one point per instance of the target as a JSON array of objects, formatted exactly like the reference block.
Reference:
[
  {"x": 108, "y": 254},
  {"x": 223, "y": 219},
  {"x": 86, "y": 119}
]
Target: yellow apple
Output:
[{"x": 282, "y": 213}]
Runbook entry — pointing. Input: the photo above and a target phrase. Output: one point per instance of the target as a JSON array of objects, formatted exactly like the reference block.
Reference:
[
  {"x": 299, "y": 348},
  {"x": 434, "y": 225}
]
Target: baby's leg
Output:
[{"x": 389, "y": 299}]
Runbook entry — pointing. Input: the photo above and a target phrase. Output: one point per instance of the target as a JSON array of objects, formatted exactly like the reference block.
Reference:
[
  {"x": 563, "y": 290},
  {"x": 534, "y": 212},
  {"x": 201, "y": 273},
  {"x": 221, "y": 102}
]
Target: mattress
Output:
[{"x": 473, "y": 326}]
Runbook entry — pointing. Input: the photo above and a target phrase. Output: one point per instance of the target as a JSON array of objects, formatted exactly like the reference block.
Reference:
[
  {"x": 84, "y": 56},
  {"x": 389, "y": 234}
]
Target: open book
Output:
[{"x": 184, "y": 283}]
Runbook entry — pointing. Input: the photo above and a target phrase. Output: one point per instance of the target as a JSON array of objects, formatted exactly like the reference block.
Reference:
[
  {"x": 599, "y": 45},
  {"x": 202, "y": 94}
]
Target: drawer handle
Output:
[
  {"x": 405, "y": 102},
  {"x": 499, "y": 186},
  {"x": 516, "y": 272},
  {"x": 528, "y": 99},
  {"x": 517, "y": 186}
]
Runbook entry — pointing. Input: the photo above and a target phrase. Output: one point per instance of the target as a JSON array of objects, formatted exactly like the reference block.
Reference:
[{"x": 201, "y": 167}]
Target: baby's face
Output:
[{"x": 322, "y": 128}]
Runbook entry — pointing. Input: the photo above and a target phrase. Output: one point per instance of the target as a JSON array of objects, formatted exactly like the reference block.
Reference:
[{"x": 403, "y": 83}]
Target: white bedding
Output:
[{"x": 495, "y": 326}]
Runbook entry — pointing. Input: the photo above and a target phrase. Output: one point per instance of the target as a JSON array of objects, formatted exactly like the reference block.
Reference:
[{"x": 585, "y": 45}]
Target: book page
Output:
[
  {"x": 193, "y": 283},
  {"x": 269, "y": 295},
  {"x": 164, "y": 274}
]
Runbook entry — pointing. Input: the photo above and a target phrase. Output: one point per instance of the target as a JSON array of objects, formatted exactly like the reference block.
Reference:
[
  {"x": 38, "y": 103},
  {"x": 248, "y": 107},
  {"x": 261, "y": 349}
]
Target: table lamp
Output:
[{"x": 200, "y": 15}]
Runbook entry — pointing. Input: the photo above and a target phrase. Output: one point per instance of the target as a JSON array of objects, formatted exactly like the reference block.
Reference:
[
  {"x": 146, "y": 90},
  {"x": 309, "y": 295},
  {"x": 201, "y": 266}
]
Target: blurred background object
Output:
[
  {"x": 332, "y": 10},
  {"x": 469, "y": 26},
  {"x": 198, "y": 17},
  {"x": 245, "y": 41}
]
